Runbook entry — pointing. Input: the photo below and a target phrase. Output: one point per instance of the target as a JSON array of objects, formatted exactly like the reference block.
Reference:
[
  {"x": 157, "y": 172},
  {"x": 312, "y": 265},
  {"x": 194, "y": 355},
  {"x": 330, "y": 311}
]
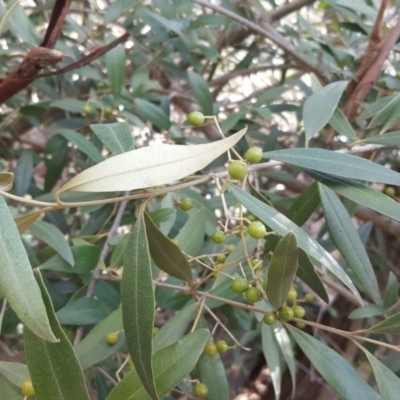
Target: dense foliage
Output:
[{"x": 199, "y": 199}]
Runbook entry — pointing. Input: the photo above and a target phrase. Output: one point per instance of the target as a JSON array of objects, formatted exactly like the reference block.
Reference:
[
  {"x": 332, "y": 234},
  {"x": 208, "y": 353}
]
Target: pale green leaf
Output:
[
  {"x": 17, "y": 281},
  {"x": 202, "y": 92},
  {"x": 153, "y": 113},
  {"x": 115, "y": 63},
  {"x": 390, "y": 325},
  {"x": 341, "y": 125},
  {"x": 137, "y": 297},
  {"x": 387, "y": 139},
  {"x": 14, "y": 372},
  {"x": 149, "y": 166}
]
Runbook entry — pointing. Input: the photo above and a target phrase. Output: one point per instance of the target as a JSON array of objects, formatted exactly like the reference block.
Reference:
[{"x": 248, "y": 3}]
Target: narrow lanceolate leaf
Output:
[
  {"x": 6, "y": 181},
  {"x": 390, "y": 325},
  {"x": 305, "y": 205},
  {"x": 307, "y": 274},
  {"x": 360, "y": 194},
  {"x": 166, "y": 254},
  {"x": 387, "y": 116},
  {"x": 54, "y": 238},
  {"x": 338, "y": 164},
  {"x": 391, "y": 291},
  {"x": 171, "y": 365},
  {"x": 117, "y": 137},
  {"x": 53, "y": 366},
  {"x": 273, "y": 357},
  {"x": 115, "y": 63},
  {"x": 149, "y": 166},
  {"x": 201, "y": 91},
  {"x": 341, "y": 125},
  {"x": 282, "y": 270},
  {"x": 348, "y": 242},
  {"x": 17, "y": 281},
  {"x": 94, "y": 348},
  {"x": 388, "y": 382},
  {"x": 282, "y": 225},
  {"x": 191, "y": 236},
  {"x": 387, "y": 139},
  {"x": 137, "y": 297},
  {"x": 15, "y": 372},
  {"x": 319, "y": 107},
  {"x": 337, "y": 371}
]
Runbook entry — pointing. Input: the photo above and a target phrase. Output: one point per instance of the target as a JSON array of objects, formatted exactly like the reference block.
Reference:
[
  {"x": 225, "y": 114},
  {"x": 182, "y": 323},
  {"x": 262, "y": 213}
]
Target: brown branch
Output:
[{"x": 288, "y": 8}]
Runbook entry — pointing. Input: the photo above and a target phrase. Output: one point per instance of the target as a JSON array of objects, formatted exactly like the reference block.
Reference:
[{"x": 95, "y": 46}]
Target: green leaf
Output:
[
  {"x": 282, "y": 225},
  {"x": 273, "y": 357},
  {"x": 319, "y": 107},
  {"x": 305, "y": 205},
  {"x": 337, "y": 164},
  {"x": 387, "y": 139},
  {"x": 8, "y": 15},
  {"x": 6, "y": 181},
  {"x": 24, "y": 222},
  {"x": 171, "y": 365},
  {"x": 94, "y": 348},
  {"x": 166, "y": 254},
  {"x": 282, "y": 270},
  {"x": 117, "y": 257},
  {"x": 368, "y": 311},
  {"x": 83, "y": 144},
  {"x": 17, "y": 281},
  {"x": 388, "y": 382},
  {"x": 23, "y": 173},
  {"x": 201, "y": 92},
  {"x": 307, "y": 274},
  {"x": 191, "y": 236},
  {"x": 153, "y": 113},
  {"x": 49, "y": 234},
  {"x": 149, "y": 166},
  {"x": 341, "y": 125},
  {"x": 86, "y": 258},
  {"x": 348, "y": 242},
  {"x": 391, "y": 292},
  {"x": 115, "y": 63},
  {"x": 337, "y": 371},
  {"x": 14, "y": 372},
  {"x": 387, "y": 115},
  {"x": 83, "y": 311},
  {"x": 117, "y": 136},
  {"x": 175, "y": 328},
  {"x": 72, "y": 105},
  {"x": 138, "y": 304},
  {"x": 53, "y": 366},
  {"x": 285, "y": 345},
  {"x": 360, "y": 194},
  {"x": 8, "y": 390},
  {"x": 389, "y": 326}
]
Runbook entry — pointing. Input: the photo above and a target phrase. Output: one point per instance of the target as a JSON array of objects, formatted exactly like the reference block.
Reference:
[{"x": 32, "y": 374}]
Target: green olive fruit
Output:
[
  {"x": 221, "y": 258},
  {"x": 285, "y": 313},
  {"x": 218, "y": 237},
  {"x": 257, "y": 230},
  {"x": 186, "y": 204},
  {"x": 309, "y": 297},
  {"x": 298, "y": 311},
  {"x": 230, "y": 248},
  {"x": 253, "y": 295},
  {"x": 269, "y": 318},
  {"x": 253, "y": 155},
  {"x": 239, "y": 285},
  {"x": 27, "y": 387},
  {"x": 222, "y": 346},
  {"x": 112, "y": 338},
  {"x": 196, "y": 118},
  {"x": 86, "y": 109},
  {"x": 210, "y": 348},
  {"x": 201, "y": 390},
  {"x": 237, "y": 170},
  {"x": 292, "y": 295}
]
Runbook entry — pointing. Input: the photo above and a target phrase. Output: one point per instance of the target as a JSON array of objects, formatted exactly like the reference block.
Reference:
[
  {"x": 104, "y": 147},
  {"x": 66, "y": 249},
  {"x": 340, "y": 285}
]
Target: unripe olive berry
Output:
[
  {"x": 155, "y": 330},
  {"x": 269, "y": 318},
  {"x": 292, "y": 295},
  {"x": 251, "y": 218},
  {"x": 112, "y": 338},
  {"x": 239, "y": 285},
  {"x": 160, "y": 196},
  {"x": 253, "y": 155},
  {"x": 86, "y": 109},
  {"x": 221, "y": 258},
  {"x": 301, "y": 325},
  {"x": 390, "y": 191},
  {"x": 237, "y": 170},
  {"x": 201, "y": 390},
  {"x": 257, "y": 230},
  {"x": 186, "y": 204},
  {"x": 298, "y": 311},
  {"x": 196, "y": 118},
  {"x": 27, "y": 387},
  {"x": 100, "y": 85},
  {"x": 218, "y": 237},
  {"x": 210, "y": 348},
  {"x": 264, "y": 285},
  {"x": 253, "y": 295},
  {"x": 230, "y": 248},
  {"x": 256, "y": 264},
  {"x": 309, "y": 297},
  {"x": 285, "y": 313},
  {"x": 108, "y": 111},
  {"x": 222, "y": 346}
]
